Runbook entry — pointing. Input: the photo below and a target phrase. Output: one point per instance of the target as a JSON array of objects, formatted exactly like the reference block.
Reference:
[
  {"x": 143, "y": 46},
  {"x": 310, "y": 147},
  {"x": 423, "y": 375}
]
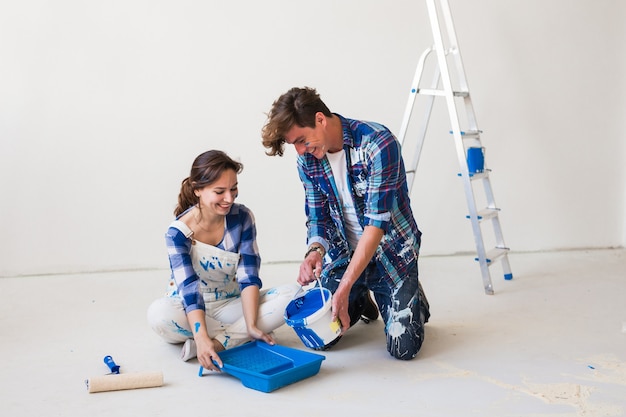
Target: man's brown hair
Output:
[{"x": 297, "y": 106}]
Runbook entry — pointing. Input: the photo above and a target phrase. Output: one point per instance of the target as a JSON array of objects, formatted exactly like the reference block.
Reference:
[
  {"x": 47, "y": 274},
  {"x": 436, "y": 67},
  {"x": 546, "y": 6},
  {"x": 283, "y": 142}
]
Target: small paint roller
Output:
[{"x": 116, "y": 381}]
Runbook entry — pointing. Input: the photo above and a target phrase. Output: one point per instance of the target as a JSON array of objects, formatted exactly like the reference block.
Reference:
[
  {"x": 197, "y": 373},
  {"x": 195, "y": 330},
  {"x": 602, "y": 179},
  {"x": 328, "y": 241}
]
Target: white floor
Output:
[{"x": 551, "y": 342}]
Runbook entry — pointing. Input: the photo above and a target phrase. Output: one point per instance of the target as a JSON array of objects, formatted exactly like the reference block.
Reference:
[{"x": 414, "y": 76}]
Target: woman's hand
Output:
[
  {"x": 250, "y": 305},
  {"x": 207, "y": 349},
  {"x": 257, "y": 334}
]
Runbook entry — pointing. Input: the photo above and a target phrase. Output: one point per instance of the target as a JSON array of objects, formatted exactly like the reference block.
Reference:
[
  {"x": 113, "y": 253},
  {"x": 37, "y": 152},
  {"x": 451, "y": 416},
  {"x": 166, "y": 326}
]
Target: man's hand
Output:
[
  {"x": 310, "y": 268},
  {"x": 340, "y": 306}
]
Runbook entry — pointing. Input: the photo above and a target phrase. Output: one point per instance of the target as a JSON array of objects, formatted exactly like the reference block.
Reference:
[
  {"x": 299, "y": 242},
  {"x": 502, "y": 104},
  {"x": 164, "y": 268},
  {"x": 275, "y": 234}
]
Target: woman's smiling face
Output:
[{"x": 218, "y": 197}]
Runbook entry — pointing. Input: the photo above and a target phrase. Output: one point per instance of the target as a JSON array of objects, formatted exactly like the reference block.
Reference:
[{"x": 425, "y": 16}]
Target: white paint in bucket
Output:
[{"x": 311, "y": 318}]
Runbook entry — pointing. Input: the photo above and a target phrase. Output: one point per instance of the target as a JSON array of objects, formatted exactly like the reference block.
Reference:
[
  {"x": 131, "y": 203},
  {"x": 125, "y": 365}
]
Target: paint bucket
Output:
[
  {"x": 475, "y": 160},
  {"x": 310, "y": 316}
]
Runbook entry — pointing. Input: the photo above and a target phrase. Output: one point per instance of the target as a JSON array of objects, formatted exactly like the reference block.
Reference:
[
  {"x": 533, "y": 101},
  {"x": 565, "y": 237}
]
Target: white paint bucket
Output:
[{"x": 310, "y": 316}]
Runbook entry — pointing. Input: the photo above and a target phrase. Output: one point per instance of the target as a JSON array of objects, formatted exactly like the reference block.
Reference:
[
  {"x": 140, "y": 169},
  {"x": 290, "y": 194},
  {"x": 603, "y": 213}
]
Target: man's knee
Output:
[
  {"x": 404, "y": 341},
  {"x": 405, "y": 347}
]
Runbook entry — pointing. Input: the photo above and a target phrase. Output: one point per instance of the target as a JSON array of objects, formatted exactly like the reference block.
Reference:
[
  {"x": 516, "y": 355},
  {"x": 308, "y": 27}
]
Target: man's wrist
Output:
[{"x": 315, "y": 248}]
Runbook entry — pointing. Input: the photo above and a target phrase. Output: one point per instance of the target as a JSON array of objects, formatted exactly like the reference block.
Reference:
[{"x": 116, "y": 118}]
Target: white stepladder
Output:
[{"x": 458, "y": 101}]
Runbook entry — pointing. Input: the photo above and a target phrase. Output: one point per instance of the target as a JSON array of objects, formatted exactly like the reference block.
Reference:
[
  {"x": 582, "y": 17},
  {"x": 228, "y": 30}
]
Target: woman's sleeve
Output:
[
  {"x": 250, "y": 259},
  {"x": 178, "y": 250}
]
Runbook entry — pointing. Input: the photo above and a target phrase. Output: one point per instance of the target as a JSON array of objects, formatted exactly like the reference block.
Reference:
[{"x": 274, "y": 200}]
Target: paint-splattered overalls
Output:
[{"x": 217, "y": 271}]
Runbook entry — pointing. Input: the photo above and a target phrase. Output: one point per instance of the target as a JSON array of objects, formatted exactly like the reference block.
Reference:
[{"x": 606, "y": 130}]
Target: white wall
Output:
[{"x": 103, "y": 106}]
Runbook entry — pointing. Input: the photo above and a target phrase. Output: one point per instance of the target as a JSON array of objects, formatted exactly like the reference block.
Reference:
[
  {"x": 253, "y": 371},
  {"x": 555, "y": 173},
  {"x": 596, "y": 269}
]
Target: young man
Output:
[{"x": 361, "y": 232}]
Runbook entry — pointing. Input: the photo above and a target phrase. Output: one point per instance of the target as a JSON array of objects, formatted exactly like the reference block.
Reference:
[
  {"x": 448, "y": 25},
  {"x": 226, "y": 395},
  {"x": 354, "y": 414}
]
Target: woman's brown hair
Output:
[{"x": 205, "y": 170}]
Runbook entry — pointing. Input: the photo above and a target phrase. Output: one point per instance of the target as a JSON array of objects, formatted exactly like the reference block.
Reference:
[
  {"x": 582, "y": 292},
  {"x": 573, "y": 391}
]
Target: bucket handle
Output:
[{"x": 319, "y": 284}]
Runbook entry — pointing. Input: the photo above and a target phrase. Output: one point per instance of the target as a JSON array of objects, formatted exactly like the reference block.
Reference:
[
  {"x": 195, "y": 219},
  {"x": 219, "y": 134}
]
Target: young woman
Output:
[{"x": 214, "y": 301}]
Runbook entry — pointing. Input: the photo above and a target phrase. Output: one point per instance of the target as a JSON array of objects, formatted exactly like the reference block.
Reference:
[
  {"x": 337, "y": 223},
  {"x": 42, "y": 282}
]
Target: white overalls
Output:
[{"x": 217, "y": 270}]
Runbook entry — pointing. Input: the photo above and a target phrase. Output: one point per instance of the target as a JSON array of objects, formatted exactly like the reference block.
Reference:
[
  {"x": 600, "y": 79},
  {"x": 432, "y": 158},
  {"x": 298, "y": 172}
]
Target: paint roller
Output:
[{"x": 115, "y": 381}]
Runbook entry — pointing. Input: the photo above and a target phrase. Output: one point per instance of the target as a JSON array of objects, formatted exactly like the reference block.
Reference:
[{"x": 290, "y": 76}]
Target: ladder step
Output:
[
  {"x": 486, "y": 213},
  {"x": 477, "y": 175},
  {"x": 469, "y": 134},
  {"x": 494, "y": 254},
  {"x": 435, "y": 92},
  {"x": 430, "y": 92}
]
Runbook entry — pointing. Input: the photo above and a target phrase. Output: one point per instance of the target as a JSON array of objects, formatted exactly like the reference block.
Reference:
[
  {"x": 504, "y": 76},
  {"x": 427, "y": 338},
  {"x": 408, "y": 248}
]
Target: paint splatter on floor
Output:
[{"x": 578, "y": 396}]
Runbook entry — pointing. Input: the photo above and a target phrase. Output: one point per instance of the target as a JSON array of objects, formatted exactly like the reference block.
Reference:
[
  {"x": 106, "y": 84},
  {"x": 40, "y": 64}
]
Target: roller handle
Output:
[{"x": 115, "y": 369}]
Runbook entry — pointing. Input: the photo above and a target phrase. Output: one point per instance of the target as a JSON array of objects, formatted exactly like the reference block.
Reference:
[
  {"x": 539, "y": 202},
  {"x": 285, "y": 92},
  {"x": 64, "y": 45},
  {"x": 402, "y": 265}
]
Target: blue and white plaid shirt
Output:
[
  {"x": 377, "y": 179},
  {"x": 239, "y": 237}
]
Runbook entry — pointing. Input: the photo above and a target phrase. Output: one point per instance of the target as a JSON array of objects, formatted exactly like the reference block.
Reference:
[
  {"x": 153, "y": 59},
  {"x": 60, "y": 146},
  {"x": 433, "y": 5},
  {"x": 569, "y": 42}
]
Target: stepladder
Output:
[{"x": 448, "y": 81}]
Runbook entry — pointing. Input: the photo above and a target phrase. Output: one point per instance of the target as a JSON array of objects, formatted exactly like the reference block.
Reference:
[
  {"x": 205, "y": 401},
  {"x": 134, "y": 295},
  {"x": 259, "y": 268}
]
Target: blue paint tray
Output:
[{"x": 264, "y": 367}]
